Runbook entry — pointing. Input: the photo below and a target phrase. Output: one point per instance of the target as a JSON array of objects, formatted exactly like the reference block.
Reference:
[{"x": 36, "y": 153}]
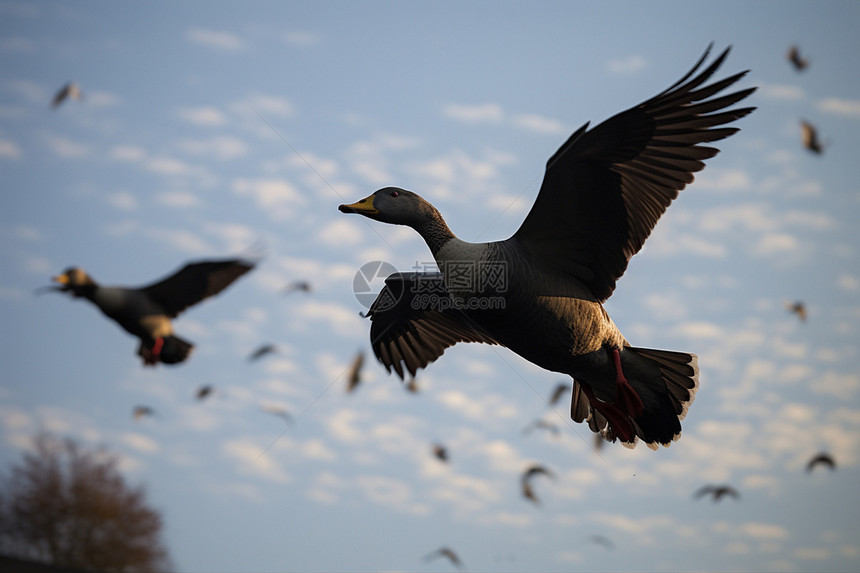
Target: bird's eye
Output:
[{"x": 394, "y": 193}]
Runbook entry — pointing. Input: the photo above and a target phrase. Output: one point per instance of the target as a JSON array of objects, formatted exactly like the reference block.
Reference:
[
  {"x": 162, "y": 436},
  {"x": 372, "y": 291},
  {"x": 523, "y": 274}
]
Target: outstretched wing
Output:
[
  {"x": 413, "y": 321},
  {"x": 605, "y": 188},
  {"x": 195, "y": 282}
]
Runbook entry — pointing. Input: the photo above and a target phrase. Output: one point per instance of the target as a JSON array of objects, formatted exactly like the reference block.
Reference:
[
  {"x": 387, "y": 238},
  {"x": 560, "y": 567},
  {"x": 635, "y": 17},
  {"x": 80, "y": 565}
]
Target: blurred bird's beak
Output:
[
  {"x": 62, "y": 279},
  {"x": 362, "y": 207}
]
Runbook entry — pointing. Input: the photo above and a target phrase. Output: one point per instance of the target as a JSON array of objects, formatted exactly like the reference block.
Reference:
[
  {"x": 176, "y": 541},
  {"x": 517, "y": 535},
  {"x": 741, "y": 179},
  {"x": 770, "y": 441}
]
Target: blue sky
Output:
[{"x": 208, "y": 129}]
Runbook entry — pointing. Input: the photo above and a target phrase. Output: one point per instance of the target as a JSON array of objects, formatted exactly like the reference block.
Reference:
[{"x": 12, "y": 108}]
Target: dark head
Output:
[
  {"x": 396, "y": 206},
  {"x": 74, "y": 280}
]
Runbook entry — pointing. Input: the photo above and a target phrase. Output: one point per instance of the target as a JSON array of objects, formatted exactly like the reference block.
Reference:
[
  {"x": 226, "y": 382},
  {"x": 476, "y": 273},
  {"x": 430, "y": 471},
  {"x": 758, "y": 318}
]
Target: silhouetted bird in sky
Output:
[
  {"x": 560, "y": 390},
  {"x": 297, "y": 286},
  {"x": 142, "y": 412},
  {"x": 447, "y": 553},
  {"x": 717, "y": 492},
  {"x": 262, "y": 351},
  {"x": 69, "y": 91},
  {"x": 441, "y": 452},
  {"x": 809, "y": 138},
  {"x": 412, "y": 386},
  {"x": 821, "y": 459},
  {"x": 525, "y": 481},
  {"x": 205, "y": 391},
  {"x": 279, "y": 412},
  {"x": 799, "y": 63},
  {"x": 353, "y": 377},
  {"x": 602, "y": 540},
  {"x": 798, "y": 308},
  {"x": 544, "y": 425},
  {"x": 602, "y": 194},
  {"x": 145, "y": 312}
]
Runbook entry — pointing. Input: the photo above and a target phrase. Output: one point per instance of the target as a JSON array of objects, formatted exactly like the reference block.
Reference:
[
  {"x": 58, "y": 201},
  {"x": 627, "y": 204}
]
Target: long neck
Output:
[{"x": 435, "y": 233}]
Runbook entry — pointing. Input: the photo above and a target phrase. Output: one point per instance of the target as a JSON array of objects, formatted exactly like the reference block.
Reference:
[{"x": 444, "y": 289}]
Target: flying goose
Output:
[
  {"x": 717, "y": 492},
  {"x": 799, "y": 63},
  {"x": 448, "y": 554},
  {"x": 526, "y": 484},
  {"x": 146, "y": 312},
  {"x": 540, "y": 292},
  {"x": 821, "y": 459},
  {"x": 809, "y": 138},
  {"x": 70, "y": 90}
]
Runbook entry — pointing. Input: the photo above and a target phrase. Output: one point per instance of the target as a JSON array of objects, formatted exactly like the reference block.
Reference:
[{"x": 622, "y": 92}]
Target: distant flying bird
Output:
[
  {"x": 540, "y": 292},
  {"x": 412, "y": 386},
  {"x": 798, "y": 308},
  {"x": 146, "y": 312},
  {"x": 140, "y": 412},
  {"x": 204, "y": 392},
  {"x": 560, "y": 390},
  {"x": 717, "y": 492},
  {"x": 297, "y": 286},
  {"x": 262, "y": 351},
  {"x": 353, "y": 378},
  {"x": 448, "y": 554},
  {"x": 441, "y": 452},
  {"x": 603, "y": 541},
  {"x": 822, "y": 459},
  {"x": 278, "y": 411},
  {"x": 525, "y": 481},
  {"x": 544, "y": 425},
  {"x": 809, "y": 138},
  {"x": 796, "y": 60},
  {"x": 69, "y": 91}
]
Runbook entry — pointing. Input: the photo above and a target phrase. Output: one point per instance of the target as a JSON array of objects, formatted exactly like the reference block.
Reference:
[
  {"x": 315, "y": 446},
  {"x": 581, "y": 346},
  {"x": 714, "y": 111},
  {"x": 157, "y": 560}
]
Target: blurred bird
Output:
[
  {"x": 543, "y": 424},
  {"x": 798, "y": 308},
  {"x": 412, "y": 386},
  {"x": 798, "y": 62},
  {"x": 278, "y": 411},
  {"x": 302, "y": 286},
  {"x": 717, "y": 492},
  {"x": 262, "y": 351},
  {"x": 448, "y": 554},
  {"x": 559, "y": 391},
  {"x": 602, "y": 540},
  {"x": 441, "y": 452},
  {"x": 599, "y": 441},
  {"x": 809, "y": 138},
  {"x": 353, "y": 378},
  {"x": 821, "y": 459},
  {"x": 140, "y": 412},
  {"x": 146, "y": 312},
  {"x": 69, "y": 91},
  {"x": 204, "y": 391},
  {"x": 602, "y": 194},
  {"x": 525, "y": 481}
]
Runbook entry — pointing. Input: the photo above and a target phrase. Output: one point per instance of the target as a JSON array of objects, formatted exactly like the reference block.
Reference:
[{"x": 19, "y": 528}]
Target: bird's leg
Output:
[
  {"x": 617, "y": 419},
  {"x": 625, "y": 396},
  {"x": 156, "y": 348}
]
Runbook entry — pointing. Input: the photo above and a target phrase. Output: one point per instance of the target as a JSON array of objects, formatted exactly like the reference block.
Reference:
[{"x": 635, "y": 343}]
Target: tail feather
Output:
[
  {"x": 666, "y": 381},
  {"x": 175, "y": 350}
]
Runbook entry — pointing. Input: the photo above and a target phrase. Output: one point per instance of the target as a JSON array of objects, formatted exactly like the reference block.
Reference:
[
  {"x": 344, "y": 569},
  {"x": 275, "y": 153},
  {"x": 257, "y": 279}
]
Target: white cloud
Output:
[
  {"x": 179, "y": 199},
  {"x": 759, "y": 530},
  {"x": 180, "y": 239},
  {"x": 266, "y": 105},
  {"x": 839, "y": 106},
  {"x": 781, "y": 92},
  {"x": 100, "y": 99},
  {"x": 203, "y": 116},
  {"x": 628, "y": 65},
  {"x": 478, "y": 113},
  {"x": 539, "y": 124},
  {"x": 220, "y": 147},
  {"x": 140, "y": 442},
  {"x": 849, "y": 283},
  {"x": 278, "y": 197},
  {"x": 723, "y": 179},
  {"x": 340, "y": 232},
  {"x": 9, "y": 149},
  {"x": 127, "y": 153},
  {"x": 225, "y": 41},
  {"x": 123, "y": 200},
  {"x": 65, "y": 147},
  {"x": 252, "y": 459}
]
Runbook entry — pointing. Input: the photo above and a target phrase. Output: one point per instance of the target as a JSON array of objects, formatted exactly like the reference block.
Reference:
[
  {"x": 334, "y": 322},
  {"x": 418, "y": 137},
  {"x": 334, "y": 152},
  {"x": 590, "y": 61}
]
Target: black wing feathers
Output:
[{"x": 195, "y": 282}]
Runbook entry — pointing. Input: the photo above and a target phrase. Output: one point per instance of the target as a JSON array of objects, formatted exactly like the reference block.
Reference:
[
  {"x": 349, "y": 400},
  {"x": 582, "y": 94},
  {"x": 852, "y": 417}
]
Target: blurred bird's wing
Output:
[{"x": 195, "y": 282}]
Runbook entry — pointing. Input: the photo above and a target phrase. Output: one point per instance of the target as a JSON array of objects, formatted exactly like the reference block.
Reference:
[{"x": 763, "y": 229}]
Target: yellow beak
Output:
[
  {"x": 62, "y": 279},
  {"x": 364, "y": 207}
]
